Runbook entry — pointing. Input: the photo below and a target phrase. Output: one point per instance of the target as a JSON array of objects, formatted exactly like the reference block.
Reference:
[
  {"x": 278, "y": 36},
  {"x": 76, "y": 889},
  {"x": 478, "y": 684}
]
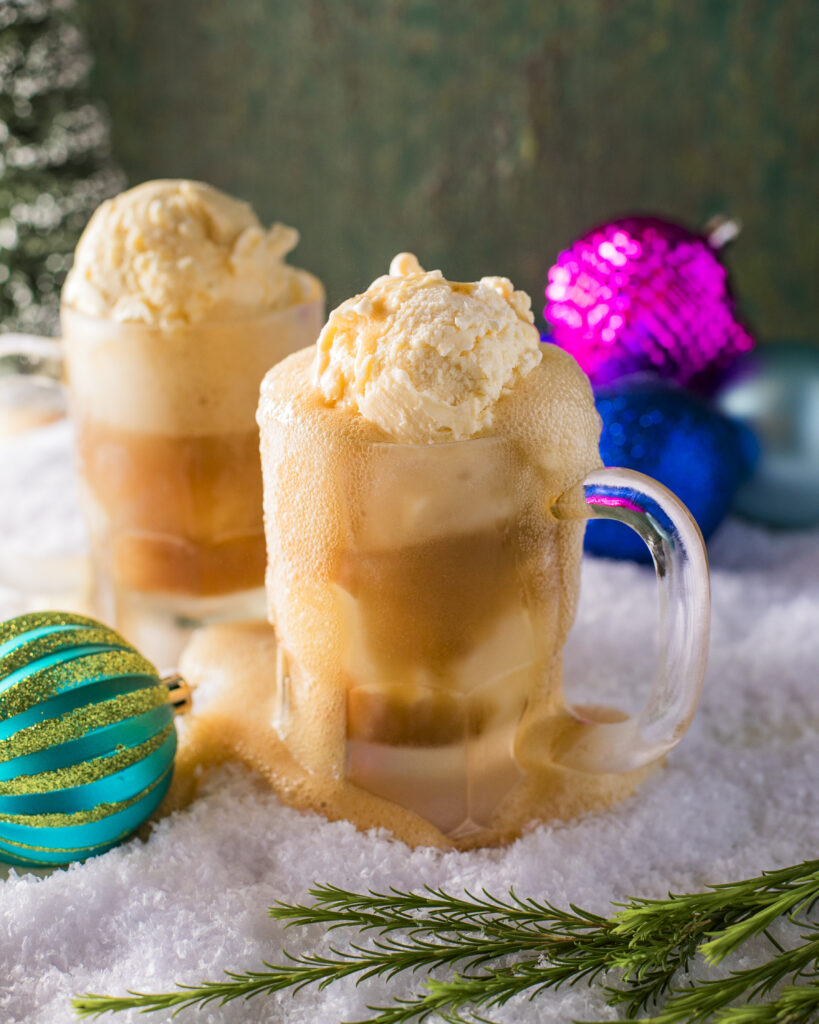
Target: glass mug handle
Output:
[
  {"x": 681, "y": 563},
  {"x": 28, "y": 357}
]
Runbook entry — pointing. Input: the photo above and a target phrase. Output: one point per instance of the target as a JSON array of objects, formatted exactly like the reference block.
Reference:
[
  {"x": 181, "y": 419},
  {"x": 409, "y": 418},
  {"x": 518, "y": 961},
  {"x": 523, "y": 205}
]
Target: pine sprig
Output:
[
  {"x": 496, "y": 949},
  {"x": 794, "y": 1005},
  {"x": 711, "y": 1000}
]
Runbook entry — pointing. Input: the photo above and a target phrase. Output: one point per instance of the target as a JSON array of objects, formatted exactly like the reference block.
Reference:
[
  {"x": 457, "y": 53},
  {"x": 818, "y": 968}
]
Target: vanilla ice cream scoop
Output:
[
  {"x": 181, "y": 252},
  {"x": 426, "y": 359}
]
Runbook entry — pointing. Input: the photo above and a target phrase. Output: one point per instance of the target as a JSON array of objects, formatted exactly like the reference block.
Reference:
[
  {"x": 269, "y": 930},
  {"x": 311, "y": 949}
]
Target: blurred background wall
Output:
[{"x": 482, "y": 134}]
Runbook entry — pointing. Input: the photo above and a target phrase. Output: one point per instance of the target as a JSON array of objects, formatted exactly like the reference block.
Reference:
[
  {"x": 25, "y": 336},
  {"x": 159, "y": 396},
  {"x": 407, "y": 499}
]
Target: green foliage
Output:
[
  {"x": 55, "y": 166},
  {"x": 644, "y": 955}
]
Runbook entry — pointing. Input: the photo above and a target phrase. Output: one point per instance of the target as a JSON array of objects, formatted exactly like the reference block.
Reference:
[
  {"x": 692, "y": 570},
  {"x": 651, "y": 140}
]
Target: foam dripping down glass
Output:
[{"x": 422, "y": 595}]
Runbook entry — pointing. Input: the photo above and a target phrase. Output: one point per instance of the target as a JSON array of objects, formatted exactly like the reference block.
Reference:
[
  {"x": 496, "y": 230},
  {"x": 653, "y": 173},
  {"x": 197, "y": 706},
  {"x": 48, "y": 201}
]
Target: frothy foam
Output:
[
  {"x": 370, "y": 614},
  {"x": 232, "y": 670},
  {"x": 183, "y": 381}
]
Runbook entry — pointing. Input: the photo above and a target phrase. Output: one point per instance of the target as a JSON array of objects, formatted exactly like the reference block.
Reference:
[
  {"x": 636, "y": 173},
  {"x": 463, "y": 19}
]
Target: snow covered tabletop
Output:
[{"x": 740, "y": 794}]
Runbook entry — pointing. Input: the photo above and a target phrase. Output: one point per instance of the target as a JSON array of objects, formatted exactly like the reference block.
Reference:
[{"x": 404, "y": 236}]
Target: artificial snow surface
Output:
[{"x": 740, "y": 794}]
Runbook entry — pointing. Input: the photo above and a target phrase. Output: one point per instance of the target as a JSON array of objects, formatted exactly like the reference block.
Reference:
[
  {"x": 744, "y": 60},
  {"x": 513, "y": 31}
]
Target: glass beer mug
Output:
[
  {"x": 422, "y": 595},
  {"x": 168, "y": 461}
]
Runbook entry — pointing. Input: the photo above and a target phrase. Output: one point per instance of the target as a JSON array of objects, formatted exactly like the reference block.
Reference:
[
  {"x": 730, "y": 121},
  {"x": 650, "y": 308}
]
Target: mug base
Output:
[{"x": 231, "y": 668}]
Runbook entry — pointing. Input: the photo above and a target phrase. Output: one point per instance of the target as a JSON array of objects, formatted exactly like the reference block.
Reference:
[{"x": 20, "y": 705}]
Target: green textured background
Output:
[{"x": 482, "y": 135}]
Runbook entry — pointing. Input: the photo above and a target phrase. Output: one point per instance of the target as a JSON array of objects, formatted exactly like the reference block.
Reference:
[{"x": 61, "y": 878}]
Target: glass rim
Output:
[
  {"x": 280, "y": 411},
  {"x": 181, "y": 327}
]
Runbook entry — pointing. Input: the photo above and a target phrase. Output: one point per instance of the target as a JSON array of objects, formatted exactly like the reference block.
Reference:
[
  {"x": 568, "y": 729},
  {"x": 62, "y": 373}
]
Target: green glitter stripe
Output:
[
  {"x": 63, "y": 640},
  {"x": 45, "y": 683},
  {"x": 12, "y": 628},
  {"x": 91, "y": 692},
  {"x": 99, "y": 812},
  {"x": 31, "y": 634},
  {"x": 74, "y": 724},
  {"x": 64, "y": 849},
  {"x": 79, "y": 774}
]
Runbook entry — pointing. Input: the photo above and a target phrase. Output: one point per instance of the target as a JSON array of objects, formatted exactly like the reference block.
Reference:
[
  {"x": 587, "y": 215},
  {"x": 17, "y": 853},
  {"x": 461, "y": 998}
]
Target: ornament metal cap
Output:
[
  {"x": 180, "y": 693},
  {"x": 720, "y": 230}
]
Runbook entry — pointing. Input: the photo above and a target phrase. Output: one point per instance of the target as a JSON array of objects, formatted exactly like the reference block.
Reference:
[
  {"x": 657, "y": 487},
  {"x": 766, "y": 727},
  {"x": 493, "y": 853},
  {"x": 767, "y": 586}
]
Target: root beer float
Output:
[
  {"x": 177, "y": 304},
  {"x": 408, "y": 454},
  {"x": 428, "y": 466}
]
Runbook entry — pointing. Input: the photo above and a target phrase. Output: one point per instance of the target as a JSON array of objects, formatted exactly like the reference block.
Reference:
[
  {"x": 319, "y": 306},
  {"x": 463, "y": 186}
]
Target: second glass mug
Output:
[
  {"x": 168, "y": 459},
  {"x": 422, "y": 595}
]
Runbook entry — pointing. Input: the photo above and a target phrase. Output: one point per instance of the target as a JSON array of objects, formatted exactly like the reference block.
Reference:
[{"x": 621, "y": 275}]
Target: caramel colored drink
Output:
[
  {"x": 178, "y": 303},
  {"x": 169, "y": 458},
  {"x": 427, "y": 470},
  {"x": 422, "y": 593},
  {"x": 428, "y": 467}
]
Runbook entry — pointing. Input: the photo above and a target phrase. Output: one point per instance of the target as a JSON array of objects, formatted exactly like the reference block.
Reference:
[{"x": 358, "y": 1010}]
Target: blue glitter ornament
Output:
[
  {"x": 675, "y": 437},
  {"x": 775, "y": 392},
  {"x": 87, "y": 738}
]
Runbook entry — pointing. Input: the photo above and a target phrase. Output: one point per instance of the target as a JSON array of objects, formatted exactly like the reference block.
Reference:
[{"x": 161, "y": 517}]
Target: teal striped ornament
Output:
[{"x": 87, "y": 739}]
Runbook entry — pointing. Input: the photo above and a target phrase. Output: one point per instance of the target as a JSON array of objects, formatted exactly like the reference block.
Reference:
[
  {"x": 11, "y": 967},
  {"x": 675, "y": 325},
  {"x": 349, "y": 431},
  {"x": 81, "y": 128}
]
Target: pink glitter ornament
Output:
[{"x": 643, "y": 295}]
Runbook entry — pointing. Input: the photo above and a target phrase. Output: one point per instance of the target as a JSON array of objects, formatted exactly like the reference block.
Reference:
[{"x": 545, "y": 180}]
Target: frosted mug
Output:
[{"x": 422, "y": 595}]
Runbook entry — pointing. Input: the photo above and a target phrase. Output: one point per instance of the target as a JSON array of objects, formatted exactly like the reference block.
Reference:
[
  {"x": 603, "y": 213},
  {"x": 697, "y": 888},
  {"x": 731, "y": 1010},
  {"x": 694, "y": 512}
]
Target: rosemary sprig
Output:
[{"x": 646, "y": 944}]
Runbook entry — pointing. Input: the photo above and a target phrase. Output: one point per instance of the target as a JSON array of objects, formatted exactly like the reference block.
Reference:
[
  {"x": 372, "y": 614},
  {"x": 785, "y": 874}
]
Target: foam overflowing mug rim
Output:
[{"x": 593, "y": 746}]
